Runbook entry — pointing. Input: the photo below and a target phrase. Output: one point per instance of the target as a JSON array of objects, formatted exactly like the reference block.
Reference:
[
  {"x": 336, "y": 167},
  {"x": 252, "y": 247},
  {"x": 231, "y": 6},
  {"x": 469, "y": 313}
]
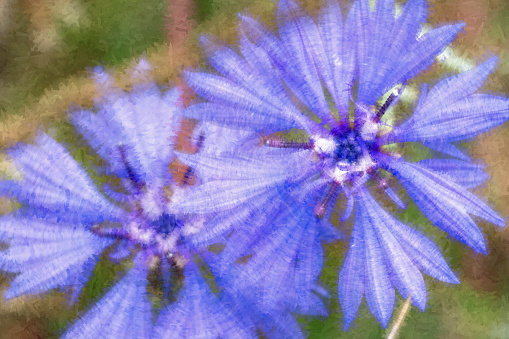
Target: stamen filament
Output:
[
  {"x": 321, "y": 208},
  {"x": 130, "y": 171},
  {"x": 390, "y": 100},
  {"x": 288, "y": 144},
  {"x": 199, "y": 143},
  {"x": 117, "y": 233},
  {"x": 187, "y": 176}
]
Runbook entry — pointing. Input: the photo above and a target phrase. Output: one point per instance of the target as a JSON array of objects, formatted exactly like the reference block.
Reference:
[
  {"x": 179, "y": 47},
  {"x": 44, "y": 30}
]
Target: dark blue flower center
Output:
[
  {"x": 349, "y": 147},
  {"x": 166, "y": 223}
]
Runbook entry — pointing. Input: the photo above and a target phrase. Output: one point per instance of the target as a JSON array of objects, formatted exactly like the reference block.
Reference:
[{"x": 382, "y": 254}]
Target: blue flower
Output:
[
  {"x": 65, "y": 222},
  {"x": 282, "y": 85}
]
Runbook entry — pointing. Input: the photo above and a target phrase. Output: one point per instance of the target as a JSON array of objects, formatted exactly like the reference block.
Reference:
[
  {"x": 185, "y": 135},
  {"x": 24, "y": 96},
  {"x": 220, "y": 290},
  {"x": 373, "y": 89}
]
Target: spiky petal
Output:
[
  {"x": 123, "y": 312},
  {"x": 385, "y": 254},
  {"x": 198, "y": 313},
  {"x": 46, "y": 254},
  {"x": 52, "y": 180}
]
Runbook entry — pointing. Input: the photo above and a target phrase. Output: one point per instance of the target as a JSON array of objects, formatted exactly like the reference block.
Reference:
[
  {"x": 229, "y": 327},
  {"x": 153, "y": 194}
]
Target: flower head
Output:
[
  {"x": 66, "y": 222},
  {"x": 302, "y": 82}
]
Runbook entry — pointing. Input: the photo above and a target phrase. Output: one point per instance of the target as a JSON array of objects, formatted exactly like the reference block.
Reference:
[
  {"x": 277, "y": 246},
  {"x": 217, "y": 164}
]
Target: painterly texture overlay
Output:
[{"x": 490, "y": 148}]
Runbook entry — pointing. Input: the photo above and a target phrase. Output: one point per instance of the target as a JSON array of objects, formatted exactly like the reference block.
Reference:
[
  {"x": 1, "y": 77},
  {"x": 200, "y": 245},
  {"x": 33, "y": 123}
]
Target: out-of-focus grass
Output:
[
  {"x": 50, "y": 41},
  {"x": 48, "y": 45}
]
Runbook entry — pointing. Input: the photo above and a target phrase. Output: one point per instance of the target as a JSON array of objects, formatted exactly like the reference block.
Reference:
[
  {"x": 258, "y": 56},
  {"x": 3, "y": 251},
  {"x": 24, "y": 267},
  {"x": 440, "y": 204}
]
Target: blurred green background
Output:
[{"x": 46, "y": 47}]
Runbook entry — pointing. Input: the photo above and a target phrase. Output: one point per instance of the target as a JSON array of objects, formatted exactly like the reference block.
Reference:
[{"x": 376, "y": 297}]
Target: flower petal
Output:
[
  {"x": 352, "y": 279},
  {"x": 423, "y": 252},
  {"x": 284, "y": 63},
  {"x": 375, "y": 36},
  {"x": 402, "y": 272},
  {"x": 231, "y": 66},
  {"x": 133, "y": 122},
  {"x": 457, "y": 87},
  {"x": 226, "y": 92},
  {"x": 464, "y": 173},
  {"x": 460, "y": 120},
  {"x": 291, "y": 258},
  {"x": 446, "y": 148},
  {"x": 422, "y": 54},
  {"x": 403, "y": 37},
  {"x": 217, "y": 195},
  {"x": 338, "y": 52},
  {"x": 53, "y": 180},
  {"x": 199, "y": 314},
  {"x": 391, "y": 194},
  {"x": 445, "y": 203},
  {"x": 379, "y": 290},
  {"x": 124, "y": 312},
  {"x": 236, "y": 118},
  {"x": 262, "y": 163},
  {"x": 47, "y": 255},
  {"x": 301, "y": 37}
]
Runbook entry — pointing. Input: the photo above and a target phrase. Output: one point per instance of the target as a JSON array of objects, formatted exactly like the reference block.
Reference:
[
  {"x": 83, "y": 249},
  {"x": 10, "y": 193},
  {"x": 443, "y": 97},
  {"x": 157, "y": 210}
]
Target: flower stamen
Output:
[
  {"x": 322, "y": 207},
  {"x": 396, "y": 92},
  {"x": 117, "y": 233},
  {"x": 137, "y": 183},
  {"x": 288, "y": 144}
]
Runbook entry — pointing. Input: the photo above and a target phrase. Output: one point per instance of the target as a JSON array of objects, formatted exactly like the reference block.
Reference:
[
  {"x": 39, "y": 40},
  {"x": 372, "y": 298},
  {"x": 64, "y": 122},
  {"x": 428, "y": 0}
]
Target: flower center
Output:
[
  {"x": 166, "y": 223},
  {"x": 349, "y": 147}
]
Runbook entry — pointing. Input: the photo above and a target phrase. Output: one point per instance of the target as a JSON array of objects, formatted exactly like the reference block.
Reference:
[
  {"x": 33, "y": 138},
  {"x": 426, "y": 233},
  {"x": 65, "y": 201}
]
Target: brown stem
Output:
[{"x": 178, "y": 22}]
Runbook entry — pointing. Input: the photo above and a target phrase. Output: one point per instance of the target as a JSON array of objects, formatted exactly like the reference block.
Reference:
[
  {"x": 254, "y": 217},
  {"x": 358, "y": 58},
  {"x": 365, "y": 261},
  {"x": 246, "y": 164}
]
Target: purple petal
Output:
[
  {"x": 47, "y": 255},
  {"x": 378, "y": 287},
  {"x": 247, "y": 217},
  {"x": 258, "y": 58},
  {"x": 382, "y": 20},
  {"x": 402, "y": 272},
  {"x": 349, "y": 204},
  {"x": 284, "y": 63},
  {"x": 236, "y": 118},
  {"x": 54, "y": 180},
  {"x": 222, "y": 90},
  {"x": 352, "y": 285},
  {"x": 252, "y": 225},
  {"x": 466, "y": 174},
  {"x": 307, "y": 270},
  {"x": 230, "y": 65},
  {"x": 395, "y": 197},
  {"x": 235, "y": 165},
  {"x": 457, "y": 87},
  {"x": 290, "y": 256},
  {"x": 463, "y": 119},
  {"x": 302, "y": 39},
  {"x": 218, "y": 195},
  {"x": 445, "y": 203},
  {"x": 330, "y": 25},
  {"x": 403, "y": 36},
  {"x": 422, "y": 54},
  {"x": 407, "y": 26},
  {"x": 423, "y": 252},
  {"x": 434, "y": 185},
  {"x": 198, "y": 313},
  {"x": 124, "y": 312},
  {"x": 136, "y": 121},
  {"x": 446, "y": 148}
]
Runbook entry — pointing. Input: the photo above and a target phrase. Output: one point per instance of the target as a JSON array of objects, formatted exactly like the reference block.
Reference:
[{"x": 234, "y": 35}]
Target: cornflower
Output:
[
  {"x": 277, "y": 195},
  {"x": 66, "y": 222}
]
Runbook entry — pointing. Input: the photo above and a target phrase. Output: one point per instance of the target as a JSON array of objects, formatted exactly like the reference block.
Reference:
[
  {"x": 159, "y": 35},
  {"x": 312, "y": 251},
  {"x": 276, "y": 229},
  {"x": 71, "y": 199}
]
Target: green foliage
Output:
[
  {"x": 204, "y": 9},
  {"x": 106, "y": 33},
  {"x": 118, "y": 29}
]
